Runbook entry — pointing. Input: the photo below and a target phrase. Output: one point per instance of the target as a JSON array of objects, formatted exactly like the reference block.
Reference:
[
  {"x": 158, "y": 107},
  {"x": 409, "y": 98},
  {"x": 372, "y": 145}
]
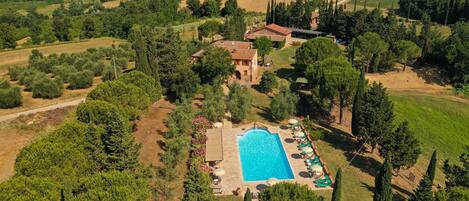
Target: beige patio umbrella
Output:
[
  {"x": 299, "y": 134},
  {"x": 292, "y": 121},
  {"x": 217, "y": 124},
  {"x": 272, "y": 181},
  {"x": 316, "y": 168},
  {"x": 219, "y": 172},
  {"x": 307, "y": 149}
]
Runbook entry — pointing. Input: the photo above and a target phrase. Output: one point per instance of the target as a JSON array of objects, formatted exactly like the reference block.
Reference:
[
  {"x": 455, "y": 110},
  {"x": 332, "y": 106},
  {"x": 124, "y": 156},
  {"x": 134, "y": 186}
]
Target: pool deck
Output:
[{"x": 231, "y": 163}]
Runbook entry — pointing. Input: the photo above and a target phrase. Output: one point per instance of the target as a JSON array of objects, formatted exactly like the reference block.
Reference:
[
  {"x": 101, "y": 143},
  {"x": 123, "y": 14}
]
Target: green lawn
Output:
[
  {"x": 283, "y": 58},
  {"x": 439, "y": 123}
]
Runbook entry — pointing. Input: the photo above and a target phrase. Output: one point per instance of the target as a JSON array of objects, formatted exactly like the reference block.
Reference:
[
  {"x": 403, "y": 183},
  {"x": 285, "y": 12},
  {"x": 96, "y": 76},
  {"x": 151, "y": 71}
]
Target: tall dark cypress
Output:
[
  {"x": 337, "y": 193},
  {"x": 423, "y": 191},
  {"x": 432, "y": 167},
  {"x": 383, "y": 188},
  {"x": 358, "y": 103},
  {"x": 268, "y": 14},
  {"x": 248, "y": 195},
  {"x": 273, "y": 8}
]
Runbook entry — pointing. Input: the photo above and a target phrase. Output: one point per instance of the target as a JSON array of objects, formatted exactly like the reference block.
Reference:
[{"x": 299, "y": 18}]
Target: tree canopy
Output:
[
  {"x": 402, "y": 146},
  {"x": 313, "y": 50},
  {"x": 335, "y": 78},
  {"x": 375, "y": 121},
  {"x": 215, "y": 65},
  {"x": 263, "y": 45},
  {"x": 407, "y": 52},
  {"x": 283, "y": 105},
  {"x": 367, "y": 46},
  {"x": 239, "y": 102}
]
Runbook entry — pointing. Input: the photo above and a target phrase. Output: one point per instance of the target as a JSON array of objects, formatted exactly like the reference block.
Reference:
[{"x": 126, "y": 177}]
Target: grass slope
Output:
[{"x": 438, "y": 123}]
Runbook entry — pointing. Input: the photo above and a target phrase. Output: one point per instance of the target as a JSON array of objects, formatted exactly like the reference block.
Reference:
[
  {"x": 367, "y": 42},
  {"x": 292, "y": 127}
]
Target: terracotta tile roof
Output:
[
  {"x": 231, "y": 45},
  {"x": 239, "y": 50},
  {"x": 243, "y": 54},
  {"x": 275, "y": 38},
  {"x": 279, "y": 29}
]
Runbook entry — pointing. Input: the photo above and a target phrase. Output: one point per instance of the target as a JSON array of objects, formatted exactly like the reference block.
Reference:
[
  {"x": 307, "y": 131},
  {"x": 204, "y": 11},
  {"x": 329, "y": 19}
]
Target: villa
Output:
[
  {"x": 244, "y": 57},
  {"x": 281, "y": 36}
]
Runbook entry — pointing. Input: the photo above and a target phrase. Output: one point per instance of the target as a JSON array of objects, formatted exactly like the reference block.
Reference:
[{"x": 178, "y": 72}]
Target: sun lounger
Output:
[
  {"x": 326, "y": 179},
  {"x": 307, "y": 144},
  {"x": 322, "y": 185},
  {"x": 311, "y": 160}
]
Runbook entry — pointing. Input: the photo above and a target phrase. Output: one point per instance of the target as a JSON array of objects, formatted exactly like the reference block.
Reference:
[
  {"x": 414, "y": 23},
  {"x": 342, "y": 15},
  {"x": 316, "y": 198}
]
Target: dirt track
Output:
[
  {"x": 150, "y": 132},
  {"x": 42, "y": 109}
]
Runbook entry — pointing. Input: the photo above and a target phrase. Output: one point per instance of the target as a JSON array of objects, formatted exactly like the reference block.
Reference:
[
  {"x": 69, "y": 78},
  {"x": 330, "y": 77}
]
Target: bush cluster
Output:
[
  {"x": 10, "y": 96},
  {"x": 80, "y": 80},
  {"x": 44, "y": 87}
]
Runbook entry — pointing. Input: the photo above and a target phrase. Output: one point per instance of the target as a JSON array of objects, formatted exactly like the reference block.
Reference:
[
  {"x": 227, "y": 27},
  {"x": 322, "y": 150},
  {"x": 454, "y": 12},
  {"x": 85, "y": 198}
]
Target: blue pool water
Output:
[{"x": 262, "y": 156}]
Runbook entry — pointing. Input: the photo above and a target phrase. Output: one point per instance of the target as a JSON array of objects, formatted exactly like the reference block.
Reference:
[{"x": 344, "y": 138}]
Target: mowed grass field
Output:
[
  {"x": 438, "y": 123},
  {"x": 21, "y": 56}
]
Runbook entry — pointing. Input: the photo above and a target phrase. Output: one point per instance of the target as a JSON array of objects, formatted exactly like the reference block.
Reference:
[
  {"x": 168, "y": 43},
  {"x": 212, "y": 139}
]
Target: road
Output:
[{"x": 42, "y": 109}]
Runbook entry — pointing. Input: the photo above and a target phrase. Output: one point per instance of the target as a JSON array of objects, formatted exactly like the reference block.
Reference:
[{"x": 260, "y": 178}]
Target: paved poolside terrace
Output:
[{"x": 231, "y": 162}]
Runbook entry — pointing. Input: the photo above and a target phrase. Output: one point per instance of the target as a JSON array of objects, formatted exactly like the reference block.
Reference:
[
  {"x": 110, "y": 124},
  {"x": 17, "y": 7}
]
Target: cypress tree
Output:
[
  {"x": 248, "y": 195},
  {"x": 358, "y": 102},
  {"x": 423, "y": 191},
  {"x": 273, "y": 7},
  {"x": 337, "y": 193},
  {"x": 268, "y": 14},
  {"x": 355, "y": 5},
  {"x": 432, "y": 167},
  {"x": 383, "y": 188}
]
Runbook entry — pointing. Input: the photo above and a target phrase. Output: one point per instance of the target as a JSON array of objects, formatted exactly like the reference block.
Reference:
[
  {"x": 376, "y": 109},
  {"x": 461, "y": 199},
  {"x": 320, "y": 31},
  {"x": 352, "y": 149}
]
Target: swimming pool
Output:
[{"x": 262, "y": 156}]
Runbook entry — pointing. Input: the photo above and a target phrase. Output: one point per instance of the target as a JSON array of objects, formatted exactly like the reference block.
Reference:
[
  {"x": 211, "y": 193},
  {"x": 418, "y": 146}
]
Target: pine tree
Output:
[
  {"x": 248, "y": 195},
  {"x": 402, "y": 145},
  {"x": 423, "y": 191},
  {"x": 377, "y": 116},
  {"x": 383, "y": 188},
  {"x": 337, "y": 193},
  {"x": 432, "y": 167},
  {"x": 358, "y": 103}
]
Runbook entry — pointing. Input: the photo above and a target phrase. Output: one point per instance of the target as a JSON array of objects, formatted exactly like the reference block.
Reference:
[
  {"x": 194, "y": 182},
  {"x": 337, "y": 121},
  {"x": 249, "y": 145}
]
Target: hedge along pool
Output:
[{"x": 262, "y": 156}]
